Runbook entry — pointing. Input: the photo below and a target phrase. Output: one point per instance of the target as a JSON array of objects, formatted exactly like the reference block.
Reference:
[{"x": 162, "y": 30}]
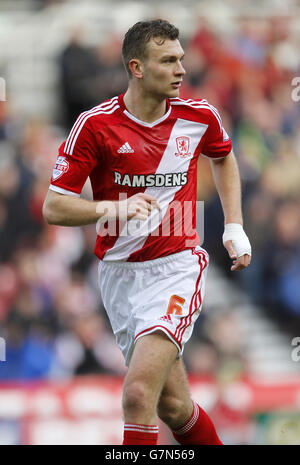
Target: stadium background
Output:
[{"x": 62, "y": 377}]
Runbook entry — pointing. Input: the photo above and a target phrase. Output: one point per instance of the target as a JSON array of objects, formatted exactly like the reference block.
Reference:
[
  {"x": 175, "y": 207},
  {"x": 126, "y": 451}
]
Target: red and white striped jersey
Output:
[{"x": 124, "y": 155}]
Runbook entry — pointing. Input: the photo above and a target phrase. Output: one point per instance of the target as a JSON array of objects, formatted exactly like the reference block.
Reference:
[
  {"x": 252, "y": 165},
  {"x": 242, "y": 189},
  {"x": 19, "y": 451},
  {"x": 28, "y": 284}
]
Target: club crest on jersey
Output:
[
  {"x": 183, "y": 146},
  {"x": 61, "y": 167}
]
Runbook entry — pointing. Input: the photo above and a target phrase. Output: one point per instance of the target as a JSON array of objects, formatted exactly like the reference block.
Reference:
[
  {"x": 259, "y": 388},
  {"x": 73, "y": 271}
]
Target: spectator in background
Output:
[
  {"x": 218, "y": 346},
  {"x": 247, "y": 74},
  {"x": 87, "y": 348},
  {"x": 89, "y": 76},
  {"x": 110, "y": 77},
  {"x": 281, "y": 266},
  {"x": 78, "y": 67}
]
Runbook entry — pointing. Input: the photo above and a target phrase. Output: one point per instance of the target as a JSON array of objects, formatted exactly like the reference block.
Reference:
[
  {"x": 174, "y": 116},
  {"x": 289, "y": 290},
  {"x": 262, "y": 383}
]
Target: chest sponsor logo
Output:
[
  {"x": 183, "y": 147},
  {"x": 61, "y": 167},
  {"x": 151, "y": 180}
]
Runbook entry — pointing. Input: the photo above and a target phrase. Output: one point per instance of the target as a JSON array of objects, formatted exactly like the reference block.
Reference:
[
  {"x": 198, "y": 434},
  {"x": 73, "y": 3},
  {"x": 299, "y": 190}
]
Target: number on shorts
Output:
[{"x": 175, "y": 305}]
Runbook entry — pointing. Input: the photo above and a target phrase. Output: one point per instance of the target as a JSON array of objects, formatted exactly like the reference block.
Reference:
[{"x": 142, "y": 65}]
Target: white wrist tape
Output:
[{"x": 234, "y": 232}]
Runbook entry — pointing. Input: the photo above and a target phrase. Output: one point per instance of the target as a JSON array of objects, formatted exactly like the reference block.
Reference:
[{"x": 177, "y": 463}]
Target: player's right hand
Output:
[{"x": 138, "y": 207}]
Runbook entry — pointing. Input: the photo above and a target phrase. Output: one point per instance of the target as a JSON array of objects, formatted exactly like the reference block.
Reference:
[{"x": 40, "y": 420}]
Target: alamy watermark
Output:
[
  {"x": 296, "y": 351},
  {"x": 2, "y": 89},
  {"x": 296, "y": 91},
  {"x": 179, "y": 219},
  {"x": 2, "y": 350}
]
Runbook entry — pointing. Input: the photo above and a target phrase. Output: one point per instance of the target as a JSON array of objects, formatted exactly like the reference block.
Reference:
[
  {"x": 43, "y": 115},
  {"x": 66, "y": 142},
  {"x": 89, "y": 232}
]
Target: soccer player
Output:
[{"x": 140, "y": 151}]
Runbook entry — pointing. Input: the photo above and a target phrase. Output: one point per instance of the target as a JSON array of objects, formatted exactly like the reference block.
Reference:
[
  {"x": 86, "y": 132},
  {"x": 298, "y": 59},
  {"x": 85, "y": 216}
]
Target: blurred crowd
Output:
[{"x": 51, "y": 313}]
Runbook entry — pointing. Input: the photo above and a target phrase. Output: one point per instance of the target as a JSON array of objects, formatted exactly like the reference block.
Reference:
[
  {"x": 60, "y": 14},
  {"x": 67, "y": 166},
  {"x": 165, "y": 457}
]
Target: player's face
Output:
[{"x": 163, "y": 70}]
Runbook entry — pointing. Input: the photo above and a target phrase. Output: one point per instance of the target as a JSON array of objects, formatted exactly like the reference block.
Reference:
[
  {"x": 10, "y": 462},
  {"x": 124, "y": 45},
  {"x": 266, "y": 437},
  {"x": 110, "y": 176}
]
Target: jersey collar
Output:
[{"x": 138, "y": 121}]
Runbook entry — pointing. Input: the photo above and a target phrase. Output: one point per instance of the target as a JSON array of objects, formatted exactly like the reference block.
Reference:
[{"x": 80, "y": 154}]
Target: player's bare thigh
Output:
[
  {"x": 175, "y": 406},
  {"x": 152, "y": 359}
]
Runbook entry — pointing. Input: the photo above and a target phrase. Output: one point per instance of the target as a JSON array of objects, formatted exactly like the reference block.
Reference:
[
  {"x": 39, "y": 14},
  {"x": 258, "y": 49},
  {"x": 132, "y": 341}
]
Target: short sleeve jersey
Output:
[{"x": 123, "y": 155}]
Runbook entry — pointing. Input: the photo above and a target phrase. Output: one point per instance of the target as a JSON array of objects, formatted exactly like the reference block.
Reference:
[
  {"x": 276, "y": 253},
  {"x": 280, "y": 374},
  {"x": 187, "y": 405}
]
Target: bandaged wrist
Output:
[{"x": 234, "y": 232}]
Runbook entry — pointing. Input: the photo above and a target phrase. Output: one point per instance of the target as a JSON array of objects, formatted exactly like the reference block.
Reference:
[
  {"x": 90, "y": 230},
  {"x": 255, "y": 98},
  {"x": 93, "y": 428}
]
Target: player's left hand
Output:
[{"x": 238, "y": 246}]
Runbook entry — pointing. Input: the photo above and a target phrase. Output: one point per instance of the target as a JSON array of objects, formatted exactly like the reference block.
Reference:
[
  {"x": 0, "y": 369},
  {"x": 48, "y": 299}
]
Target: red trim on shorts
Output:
[
  {"x": 199, "y": 292},
  {"x": 159, "y": 326},
  {"x": 183, "y": 320},
  {"x": 186, "y": 321}
]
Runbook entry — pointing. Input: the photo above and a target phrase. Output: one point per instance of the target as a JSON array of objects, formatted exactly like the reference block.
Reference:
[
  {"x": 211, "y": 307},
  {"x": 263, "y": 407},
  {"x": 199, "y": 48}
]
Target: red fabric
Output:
[
  {"x": 138, "y": 434},
  {"x": 123, "y": 155},
  {"x": 198, "y": 430}
]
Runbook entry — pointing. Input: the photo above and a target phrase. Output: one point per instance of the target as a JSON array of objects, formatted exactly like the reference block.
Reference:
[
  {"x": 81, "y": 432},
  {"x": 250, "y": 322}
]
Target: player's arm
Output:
[
  {"x": 66, "y": 210},
  {"x": 227, "y": 180},
  {"x": 77, "y": 158},
  {"x": 217, "y": 147}
]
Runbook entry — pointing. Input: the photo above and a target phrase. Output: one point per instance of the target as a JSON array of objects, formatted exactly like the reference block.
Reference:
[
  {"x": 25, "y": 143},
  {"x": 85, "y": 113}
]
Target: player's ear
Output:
[{"x": 136, "y": 67}]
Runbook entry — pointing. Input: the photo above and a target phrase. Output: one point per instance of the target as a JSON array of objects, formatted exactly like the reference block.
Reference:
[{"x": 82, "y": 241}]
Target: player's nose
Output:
[{"x": 180, "y": 69}]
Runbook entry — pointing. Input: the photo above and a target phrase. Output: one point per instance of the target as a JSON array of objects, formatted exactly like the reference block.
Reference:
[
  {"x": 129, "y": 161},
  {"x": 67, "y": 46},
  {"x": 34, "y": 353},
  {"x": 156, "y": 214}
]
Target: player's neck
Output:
[{"x": 144, "y": 107}]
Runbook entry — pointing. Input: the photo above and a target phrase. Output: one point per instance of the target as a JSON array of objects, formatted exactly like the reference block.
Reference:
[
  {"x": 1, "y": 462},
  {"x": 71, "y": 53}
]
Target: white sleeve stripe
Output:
[
  {"x": 96, "y": 108},
  {"x": 216, "y": 111},
  {"x": 196, "y": 103},
  {"x": 103, "y": 106},
  {"x": 82, "y": 115},
  {"x": 70, "y": 150},
  {"x": 204, "y": 105},
  {"x": 63, "y": 191}
]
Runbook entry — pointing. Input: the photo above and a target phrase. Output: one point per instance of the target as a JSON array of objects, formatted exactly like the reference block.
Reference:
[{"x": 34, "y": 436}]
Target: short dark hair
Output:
[{"x": 137, "y": 37}]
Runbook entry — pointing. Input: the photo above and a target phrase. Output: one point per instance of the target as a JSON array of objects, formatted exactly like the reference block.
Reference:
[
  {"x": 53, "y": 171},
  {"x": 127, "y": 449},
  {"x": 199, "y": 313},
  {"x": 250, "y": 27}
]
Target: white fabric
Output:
[
  {"x": 63, "y": 191},
  {"x": 136, "y": 296},
  {"x": 126, "y": 244},
  {"x": 234, "y": 232}
]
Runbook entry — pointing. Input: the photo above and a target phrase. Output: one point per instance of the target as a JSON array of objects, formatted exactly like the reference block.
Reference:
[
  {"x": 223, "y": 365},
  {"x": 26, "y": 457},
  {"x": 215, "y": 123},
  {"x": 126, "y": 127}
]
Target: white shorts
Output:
[{"x": 164, "y": 294}]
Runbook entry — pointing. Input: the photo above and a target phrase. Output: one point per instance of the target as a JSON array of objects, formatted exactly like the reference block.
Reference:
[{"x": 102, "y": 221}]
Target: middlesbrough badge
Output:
[{"x": 183, "y": 146}]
